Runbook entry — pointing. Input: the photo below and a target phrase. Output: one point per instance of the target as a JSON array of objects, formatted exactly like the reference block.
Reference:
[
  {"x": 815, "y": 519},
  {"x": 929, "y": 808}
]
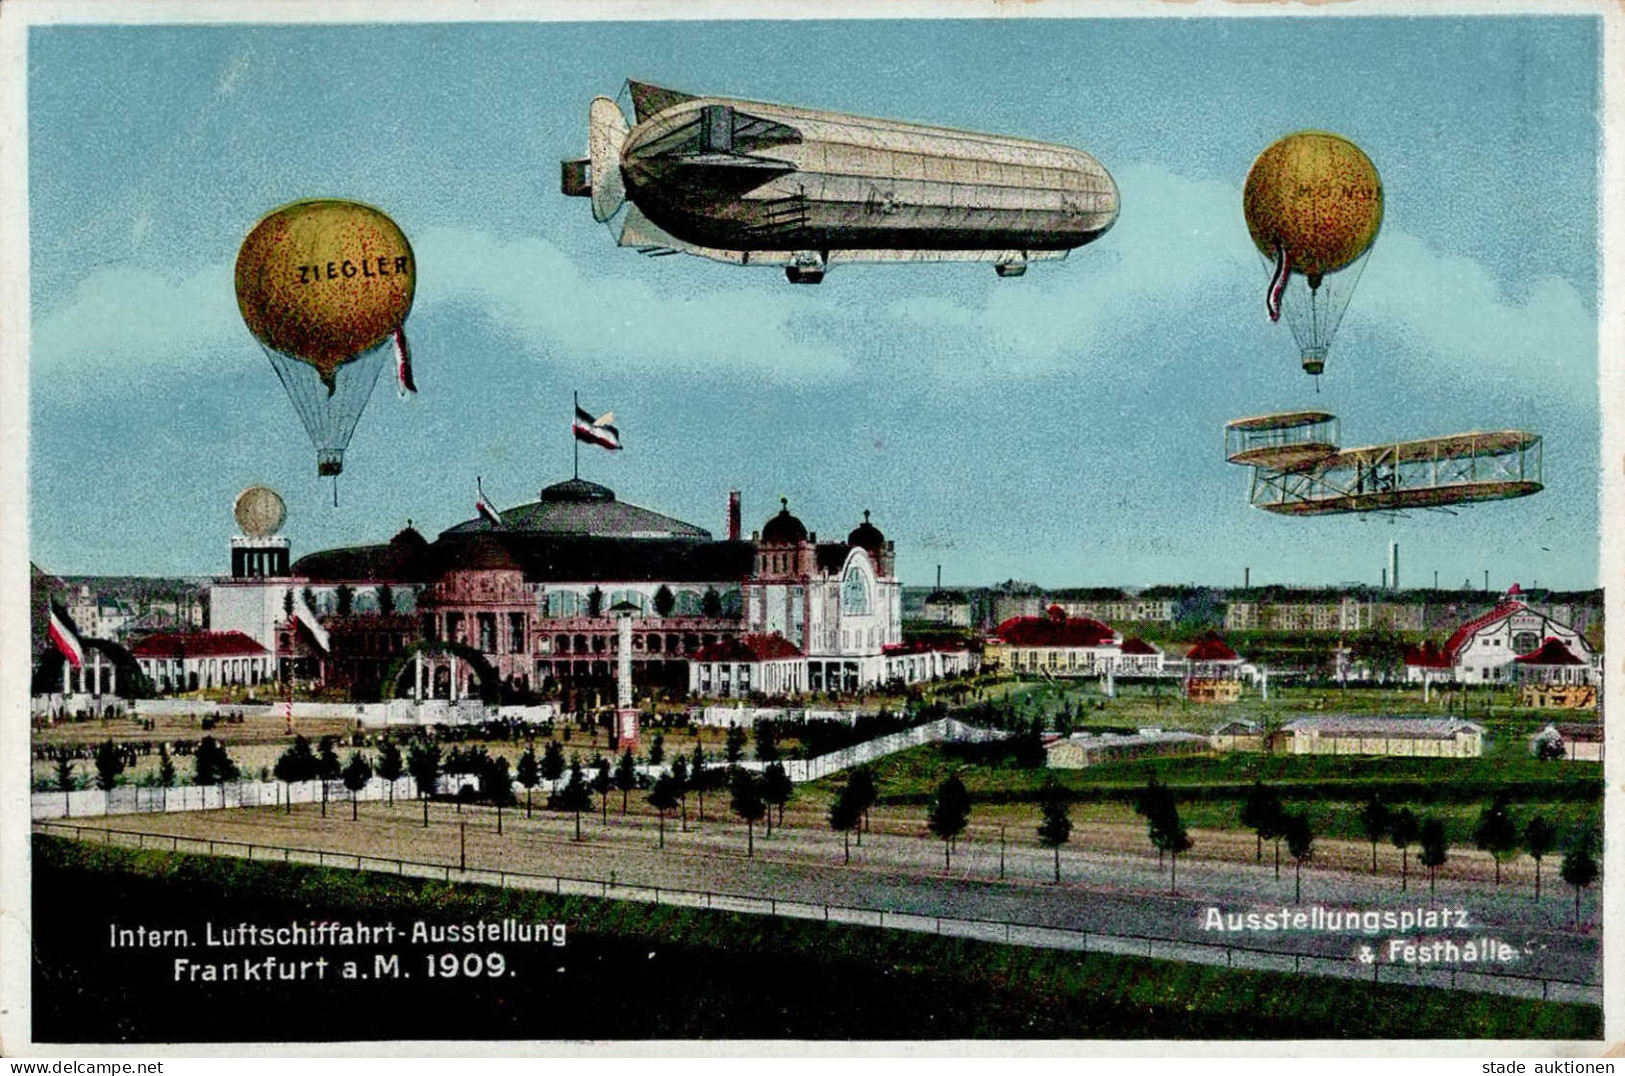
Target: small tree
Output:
[
  {"x": 1403, "y": 830},
  {"x": 1435, "y": 851},
  {"x": 657, "y": 750},
  {"x": 736, "y": 744},
  {"x": 1300, "y": 844},
  {"x": 109, "y": 765},
  {"x": 711, "y": 604},
  {"x": 1055, "y": 829},
  {"x": 1167, "y": 833},
  {"x": 665, "y": 601},
  {"x": 386, "y": 599},
  {"x": 212, "y": 764},
  {"x": 357, "y": 772},
  {"x": 679, "y": 776},
  {"x": 663, "y": 797},
  {"x": 626, "y": 776},
  {"x": 1374, "y": 820},
  {"x": 1539, "y": 838},
  {"x": 328, "y": 767},
  {"x": 866, "y": 793},
  {"x": 749, "y": 805},
  {"x": 950, "y": 814},
  {"x": 496, "y": 784},
  {"x": 390, "y": 765},
  {"x": 767, "y": 749},
  {"x": 575, "y": 796},
  {"x": 344, "y": 599},
  {"x": 595, "y": 602},
  {"x": 287, "y": 604},
  {"x": 529, "y": 774},
  {"x": 1579, "y": 868},
  {"x": 423, "y": 762},
  {"x": 1496, "y": 833},
  {"x": 297, "y": 763},
  {"x": 553, "y": 761},
  {"x": 1258, "y": 813},
  {"x": 698, "y": 777},
  {"x": 1155, "y": 804},
  {"x": 166, "y": 767},
  {"x": 777, "y": 790},
  {"x": 64, "y": 774},
  {"x": 844, "y": 815}
]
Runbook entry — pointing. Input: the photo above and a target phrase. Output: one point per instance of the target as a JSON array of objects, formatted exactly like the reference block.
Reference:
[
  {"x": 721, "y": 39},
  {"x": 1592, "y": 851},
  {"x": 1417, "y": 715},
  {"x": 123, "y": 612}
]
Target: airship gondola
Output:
[{"x": 752, "y": 183}]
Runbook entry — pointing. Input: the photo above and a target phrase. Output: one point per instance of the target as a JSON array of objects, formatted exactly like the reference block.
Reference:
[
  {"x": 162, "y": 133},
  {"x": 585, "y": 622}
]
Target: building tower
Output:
[{"x": 259, "y": 551}]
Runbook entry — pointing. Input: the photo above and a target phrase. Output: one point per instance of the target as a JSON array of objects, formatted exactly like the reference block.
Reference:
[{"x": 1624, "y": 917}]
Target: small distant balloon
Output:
[
  {"x": 325, "y": 286},
  {"x": 1313, "y": 203}
]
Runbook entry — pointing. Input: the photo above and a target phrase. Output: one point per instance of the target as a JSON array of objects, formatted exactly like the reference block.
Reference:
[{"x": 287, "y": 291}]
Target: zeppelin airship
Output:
[{"x": 751, "y": 183}]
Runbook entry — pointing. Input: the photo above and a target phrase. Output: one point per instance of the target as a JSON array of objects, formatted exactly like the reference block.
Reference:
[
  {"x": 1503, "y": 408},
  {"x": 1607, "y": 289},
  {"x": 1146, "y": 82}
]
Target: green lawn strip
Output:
[
  {"x": 884, "y": 978},
  {"x": 911, "y": 777}
]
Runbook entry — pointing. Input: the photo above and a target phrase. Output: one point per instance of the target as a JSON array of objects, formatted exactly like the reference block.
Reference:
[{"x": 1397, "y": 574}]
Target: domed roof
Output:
[
  {"x": 784, "y": 528},
  {"x": 578, "y": 508},
  {"x": 409, "y": 538},
  {"x": 577, "y": 489},
  {"x": 867, "y": 535}
]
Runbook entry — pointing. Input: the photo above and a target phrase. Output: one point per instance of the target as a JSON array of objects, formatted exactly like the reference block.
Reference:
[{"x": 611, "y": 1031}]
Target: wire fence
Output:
[{"x": 993, "y": 930}]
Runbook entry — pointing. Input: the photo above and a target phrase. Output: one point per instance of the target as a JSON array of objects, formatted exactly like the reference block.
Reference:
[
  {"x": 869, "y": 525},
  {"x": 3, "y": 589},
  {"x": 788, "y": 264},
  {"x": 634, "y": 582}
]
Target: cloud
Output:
[
  {"x": 1176, "y": 285},
  {"x": 532, "y": 289},
  {"x": 1179, "y": 275},
  {"x": 126, "y": 319}
]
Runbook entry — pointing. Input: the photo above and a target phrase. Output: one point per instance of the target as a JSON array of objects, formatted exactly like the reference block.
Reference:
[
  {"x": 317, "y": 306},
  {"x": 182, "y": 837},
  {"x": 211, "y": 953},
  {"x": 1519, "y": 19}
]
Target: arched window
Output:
[
  {"x": 854, "y": 592},
  {"x": 1525, "y": 642}
]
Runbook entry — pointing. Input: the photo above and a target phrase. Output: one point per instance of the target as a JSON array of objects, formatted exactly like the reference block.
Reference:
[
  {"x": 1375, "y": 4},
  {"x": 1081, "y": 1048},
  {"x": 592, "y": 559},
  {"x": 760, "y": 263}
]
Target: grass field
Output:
[{"x": 645, "y": 971}]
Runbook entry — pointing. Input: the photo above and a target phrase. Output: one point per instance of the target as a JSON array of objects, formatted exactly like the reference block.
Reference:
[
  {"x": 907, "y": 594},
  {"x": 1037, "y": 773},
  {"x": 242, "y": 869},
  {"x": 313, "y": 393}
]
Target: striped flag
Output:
[
  {"x": 597, "y": 431},
  {"x": 483, "y": 505},
  {"x": 1278, "y": 282},
  {"x": 65, "y": 637},
  {"x": 403, "y": 365}
]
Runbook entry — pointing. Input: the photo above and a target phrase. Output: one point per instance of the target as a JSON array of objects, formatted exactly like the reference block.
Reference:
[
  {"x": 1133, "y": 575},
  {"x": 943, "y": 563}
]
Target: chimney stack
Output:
[
  {"x": 1393, "y": 565},
  {"x": 939, "y": 577},
  {"x": 733, "y": 515}
]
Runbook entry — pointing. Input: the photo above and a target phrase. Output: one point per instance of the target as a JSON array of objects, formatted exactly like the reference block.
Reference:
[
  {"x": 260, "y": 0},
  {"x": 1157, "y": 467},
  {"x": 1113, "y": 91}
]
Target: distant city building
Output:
[
  {"x": 1426, "y": 737},
  {"x": 1136, "y": 657},
  {"x": 738, "y": 667},
  {"x": 530, "y": 602},
  {"x": 1054, "y": 644},
  {"x": 202, "y": 660},
  {"x": 1488, "y": 649},
  {"x": 950, "y": 608},
  {"x": 1083, "y": 749}
]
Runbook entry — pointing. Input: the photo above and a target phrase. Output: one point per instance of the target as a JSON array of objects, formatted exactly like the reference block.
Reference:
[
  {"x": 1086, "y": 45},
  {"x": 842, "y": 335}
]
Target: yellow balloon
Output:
[
  {"x": 324, "y": 280},
  {"x": 1317, "y": 196}
]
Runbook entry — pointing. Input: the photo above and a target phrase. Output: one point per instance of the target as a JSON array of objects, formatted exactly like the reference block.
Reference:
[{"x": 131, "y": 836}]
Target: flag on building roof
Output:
[
  {"x": 597, "y": 431},
  {"x": 65, "y": 637},
  {"x": 483, "y": 505},
  {"x": 303, "y": 614}
]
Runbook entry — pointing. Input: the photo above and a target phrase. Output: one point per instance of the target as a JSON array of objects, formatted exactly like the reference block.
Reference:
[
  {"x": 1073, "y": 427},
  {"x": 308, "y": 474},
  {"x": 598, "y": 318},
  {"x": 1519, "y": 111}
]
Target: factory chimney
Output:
[
  {"x": 1393, "y": 565},
  {"x": 1246, "y": 578},
  {"x": 733, "y": 515}
]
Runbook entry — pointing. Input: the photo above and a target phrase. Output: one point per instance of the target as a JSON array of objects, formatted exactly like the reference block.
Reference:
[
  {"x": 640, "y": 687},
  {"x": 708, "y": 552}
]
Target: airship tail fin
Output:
[{"x": 606, "y": 134}]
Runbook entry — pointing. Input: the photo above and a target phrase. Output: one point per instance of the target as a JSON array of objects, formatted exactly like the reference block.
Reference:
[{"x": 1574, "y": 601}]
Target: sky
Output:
[{"x": 1064, "y": 428}]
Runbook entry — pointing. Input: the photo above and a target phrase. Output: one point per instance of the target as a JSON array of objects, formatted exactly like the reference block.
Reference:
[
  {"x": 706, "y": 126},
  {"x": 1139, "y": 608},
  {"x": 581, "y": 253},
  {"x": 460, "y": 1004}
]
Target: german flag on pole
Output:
[
  {"x": 483, "y": 505},
  {"x": 597, "y": 431},
  {"x": 65, "y": 637}
]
